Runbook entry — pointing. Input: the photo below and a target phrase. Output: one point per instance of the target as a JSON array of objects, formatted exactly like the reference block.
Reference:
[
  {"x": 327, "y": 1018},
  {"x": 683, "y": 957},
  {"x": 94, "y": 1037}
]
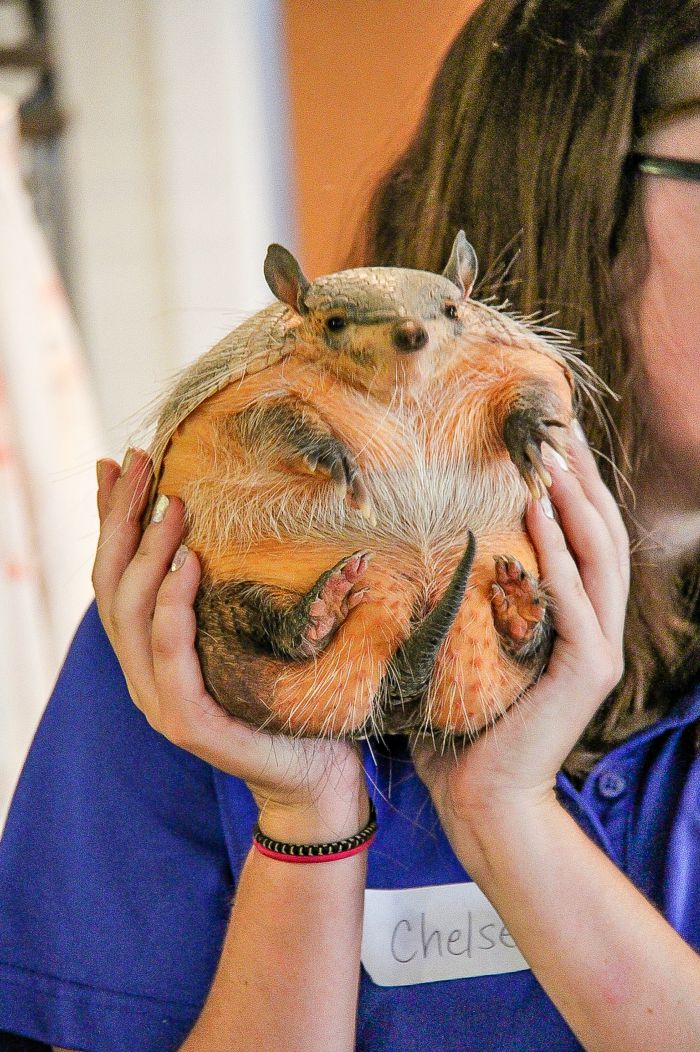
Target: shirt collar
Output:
[{"x": 682, "y": 713}]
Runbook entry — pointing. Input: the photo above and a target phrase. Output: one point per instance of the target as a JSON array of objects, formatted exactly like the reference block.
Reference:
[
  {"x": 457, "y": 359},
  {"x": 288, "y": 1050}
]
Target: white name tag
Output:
[{"x": 424, "y": 935}]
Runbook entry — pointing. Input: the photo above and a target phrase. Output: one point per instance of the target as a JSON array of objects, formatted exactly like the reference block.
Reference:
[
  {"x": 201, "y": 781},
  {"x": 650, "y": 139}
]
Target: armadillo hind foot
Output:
[
  {"x": 521, "y": 613},
  {"x": 287, "y": 624}
]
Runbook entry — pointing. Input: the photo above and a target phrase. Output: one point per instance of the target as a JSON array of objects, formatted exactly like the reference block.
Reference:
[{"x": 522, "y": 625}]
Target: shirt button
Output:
[{"x": 611, "y": 785}]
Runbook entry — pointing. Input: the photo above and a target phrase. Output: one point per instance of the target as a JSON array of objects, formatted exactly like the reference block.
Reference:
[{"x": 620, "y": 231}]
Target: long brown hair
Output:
[{"x": 524, "y": 144}]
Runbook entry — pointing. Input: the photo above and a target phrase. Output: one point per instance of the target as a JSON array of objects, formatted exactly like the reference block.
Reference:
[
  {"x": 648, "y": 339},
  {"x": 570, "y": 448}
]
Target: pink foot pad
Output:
[
  {"x": 518, "y": 603},
  {"x": 337, "y": 597}
]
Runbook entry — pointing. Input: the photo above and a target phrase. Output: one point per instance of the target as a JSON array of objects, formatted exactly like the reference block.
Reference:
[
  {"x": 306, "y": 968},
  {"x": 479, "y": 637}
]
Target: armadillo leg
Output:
[
  {"x": 331, "y": 694},
  {"x": 536, "y": 415},
  {"x": 291, "y": 625},
  {"x": 338, "y": 692},
  {"x": 291, "y": 432},
  {"x": 476, "y": 676}
]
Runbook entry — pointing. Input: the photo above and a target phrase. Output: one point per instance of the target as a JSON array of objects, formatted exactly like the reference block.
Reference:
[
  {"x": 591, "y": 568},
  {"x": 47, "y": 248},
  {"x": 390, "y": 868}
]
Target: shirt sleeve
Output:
[{"x": 115, "y": 883}]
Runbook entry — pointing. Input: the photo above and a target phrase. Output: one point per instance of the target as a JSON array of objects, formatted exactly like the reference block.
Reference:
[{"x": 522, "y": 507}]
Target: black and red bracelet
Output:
[{"x": 317, "y": 852}]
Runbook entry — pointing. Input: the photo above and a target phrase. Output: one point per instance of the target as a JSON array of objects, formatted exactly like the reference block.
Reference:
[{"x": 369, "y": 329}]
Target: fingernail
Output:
[
  {"x": 552, "y": 456},
  {"x": 546, "y": 506},
  {"x": 100, "y": 469},
  {"x": 127, "y": 460},
  {"x": 180, "y": 556},
  {"x": 578, "y": 431},
  {"x": 160, "y": 508}
]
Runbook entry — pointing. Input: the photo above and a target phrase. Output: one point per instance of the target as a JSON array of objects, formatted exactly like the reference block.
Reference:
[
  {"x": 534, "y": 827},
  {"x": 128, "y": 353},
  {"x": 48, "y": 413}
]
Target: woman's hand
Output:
[
  {"x": 509, "y": 772},
  {"x": 580, "y": 924},
  {"x": 308, "y": 789}
]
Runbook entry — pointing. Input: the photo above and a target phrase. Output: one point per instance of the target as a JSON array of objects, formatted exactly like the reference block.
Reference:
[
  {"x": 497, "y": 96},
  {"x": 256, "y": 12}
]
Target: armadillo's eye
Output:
[
  {"x": 336, "y": 323},
  {"x": 451, "y": 311}
]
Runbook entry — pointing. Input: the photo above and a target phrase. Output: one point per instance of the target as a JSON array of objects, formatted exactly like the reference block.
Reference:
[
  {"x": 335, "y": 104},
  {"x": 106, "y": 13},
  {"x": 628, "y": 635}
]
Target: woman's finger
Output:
[
  {"x": 120, "y": 532},
  {"x": 582, "y": 647},
  {"x": 188, "y": 715},
  {"x": 575, "y": 619},
  {"x": 593, "y": 547},
  {"x": 150, "y": 563},
  {"x": 544, "y": 724},
  {"x": 135, "y": 599},
  {"x": 585, "y": 467},
  {"x": 108, "y": 472}
]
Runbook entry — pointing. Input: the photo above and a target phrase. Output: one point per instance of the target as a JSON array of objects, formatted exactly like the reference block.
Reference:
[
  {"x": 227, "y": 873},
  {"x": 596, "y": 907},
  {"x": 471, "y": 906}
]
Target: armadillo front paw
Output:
[
  {"x": 523, "y": 433},
  {"x": 519, "y": 608},
  {"x": 330, "y": 458}
]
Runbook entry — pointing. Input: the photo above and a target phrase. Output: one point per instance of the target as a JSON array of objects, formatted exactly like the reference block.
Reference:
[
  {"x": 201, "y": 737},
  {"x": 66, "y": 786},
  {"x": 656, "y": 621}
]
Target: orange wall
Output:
[{"x": 359, "y": 73}]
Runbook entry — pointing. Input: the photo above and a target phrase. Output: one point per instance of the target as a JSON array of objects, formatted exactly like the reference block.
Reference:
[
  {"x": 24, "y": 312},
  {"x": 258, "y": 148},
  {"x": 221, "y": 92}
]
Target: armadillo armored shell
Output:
[{"x": 355, "y": 462}]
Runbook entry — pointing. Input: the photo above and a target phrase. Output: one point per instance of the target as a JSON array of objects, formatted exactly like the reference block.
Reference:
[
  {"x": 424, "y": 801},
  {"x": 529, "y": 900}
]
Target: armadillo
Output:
[{"x": 355, "y": 462}]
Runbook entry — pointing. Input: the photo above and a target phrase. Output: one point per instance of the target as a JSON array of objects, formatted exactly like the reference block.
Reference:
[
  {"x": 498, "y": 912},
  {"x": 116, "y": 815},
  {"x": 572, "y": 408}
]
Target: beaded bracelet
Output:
[{"x": 350, "y": 845}]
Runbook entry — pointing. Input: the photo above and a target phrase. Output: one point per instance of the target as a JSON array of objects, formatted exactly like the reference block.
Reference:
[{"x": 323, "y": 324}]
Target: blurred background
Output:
[{"x": 149, "y": 152}]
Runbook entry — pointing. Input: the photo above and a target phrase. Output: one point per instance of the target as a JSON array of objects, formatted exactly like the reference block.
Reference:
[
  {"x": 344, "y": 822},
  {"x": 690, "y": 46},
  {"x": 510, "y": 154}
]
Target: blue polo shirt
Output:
[{"x": 120, "y": 858}]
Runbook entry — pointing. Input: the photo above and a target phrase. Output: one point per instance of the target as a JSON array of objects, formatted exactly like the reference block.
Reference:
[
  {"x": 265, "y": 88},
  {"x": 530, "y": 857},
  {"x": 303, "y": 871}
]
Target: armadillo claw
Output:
[
  {"x": 524, "y": 431},
  {"x": 547, "y": 436},
  {"x": 339, "y": 477},
  {"x": 534, "y": 484},
  {"x": 539, "y": 468},
  {"x": 359, "y": 498}
]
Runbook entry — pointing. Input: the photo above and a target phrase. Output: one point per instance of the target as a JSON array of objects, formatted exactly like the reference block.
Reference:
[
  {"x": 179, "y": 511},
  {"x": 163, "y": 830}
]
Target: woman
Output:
[{"x": 530, "y": 136}]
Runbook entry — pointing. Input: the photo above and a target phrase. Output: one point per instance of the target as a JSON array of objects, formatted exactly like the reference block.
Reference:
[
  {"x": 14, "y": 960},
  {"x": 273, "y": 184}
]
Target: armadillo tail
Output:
[{"x": 412, "y": 664}]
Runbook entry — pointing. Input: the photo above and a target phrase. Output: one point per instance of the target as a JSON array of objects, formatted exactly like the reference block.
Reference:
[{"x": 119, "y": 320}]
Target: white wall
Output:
[{"x": 177, "y": 178}]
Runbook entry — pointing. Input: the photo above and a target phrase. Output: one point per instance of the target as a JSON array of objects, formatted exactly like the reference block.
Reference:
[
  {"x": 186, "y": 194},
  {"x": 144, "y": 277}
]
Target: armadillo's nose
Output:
[{"x": 409, "y": 336}]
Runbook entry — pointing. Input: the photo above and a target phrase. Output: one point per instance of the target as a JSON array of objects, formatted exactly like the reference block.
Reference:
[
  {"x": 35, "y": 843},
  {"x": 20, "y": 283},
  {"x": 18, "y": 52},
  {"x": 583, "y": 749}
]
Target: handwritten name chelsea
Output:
[{"x": 411, "y": 940}]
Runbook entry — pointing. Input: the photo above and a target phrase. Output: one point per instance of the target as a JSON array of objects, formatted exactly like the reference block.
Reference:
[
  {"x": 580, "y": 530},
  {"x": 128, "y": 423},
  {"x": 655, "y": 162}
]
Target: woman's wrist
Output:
[
  {"x": 497, "y": 837},
  {"x": 319, "y": 821}
]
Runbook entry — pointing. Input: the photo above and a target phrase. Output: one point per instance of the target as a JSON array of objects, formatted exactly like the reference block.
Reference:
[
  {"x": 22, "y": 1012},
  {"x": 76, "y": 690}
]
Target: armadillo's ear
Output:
[
  {"x": 284, "y": 276},
  {"x": 462, "y": 266}
]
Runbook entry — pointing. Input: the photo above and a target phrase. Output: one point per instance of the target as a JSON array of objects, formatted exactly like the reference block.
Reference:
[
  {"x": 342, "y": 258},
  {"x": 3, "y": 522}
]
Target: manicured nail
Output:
[
  {"x": 578, "y": 431},
  {"x": 546, "y": 505},
  {"x": 553, "y": 456},
  {"x": 160, "y": 507},
  {"x": 127, "y": 460},
  {"x": 100, "y": 470},
  {"x": 180, "y": 556}
]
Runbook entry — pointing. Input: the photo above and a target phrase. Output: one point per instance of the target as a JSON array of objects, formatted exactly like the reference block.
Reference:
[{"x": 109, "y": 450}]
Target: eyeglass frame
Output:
[{"x": 671, "y": 167}]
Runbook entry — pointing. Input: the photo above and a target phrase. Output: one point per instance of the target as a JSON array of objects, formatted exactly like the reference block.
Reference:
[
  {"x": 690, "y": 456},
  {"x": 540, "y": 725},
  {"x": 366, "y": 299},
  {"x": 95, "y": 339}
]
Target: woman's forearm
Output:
[
  {"x": 616, "y": 970},
  {"x": 289, "y": 969}
]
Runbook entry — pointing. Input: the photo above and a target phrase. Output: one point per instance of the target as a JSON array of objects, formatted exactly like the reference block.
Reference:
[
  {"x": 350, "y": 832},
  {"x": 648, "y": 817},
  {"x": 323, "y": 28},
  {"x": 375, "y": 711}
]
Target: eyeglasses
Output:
[{"x": 668, "y": 166}]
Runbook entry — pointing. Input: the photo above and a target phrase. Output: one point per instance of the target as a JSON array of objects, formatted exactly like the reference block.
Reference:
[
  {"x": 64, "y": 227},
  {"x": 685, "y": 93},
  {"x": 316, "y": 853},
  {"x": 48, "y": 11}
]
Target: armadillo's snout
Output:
[{"x": 409, "y": 336}]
